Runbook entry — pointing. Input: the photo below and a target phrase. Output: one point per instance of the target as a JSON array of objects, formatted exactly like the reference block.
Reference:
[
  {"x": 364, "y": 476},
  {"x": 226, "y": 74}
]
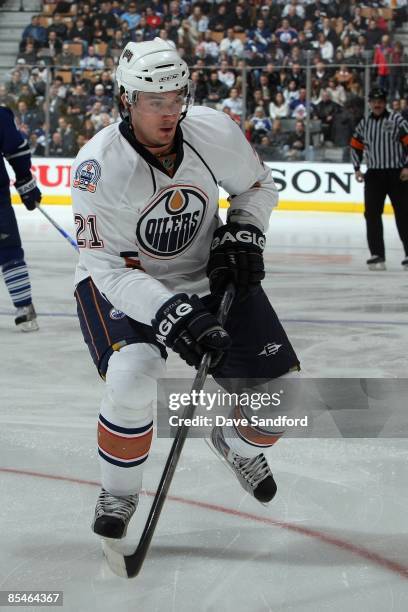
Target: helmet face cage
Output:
[{"x": 133, "y": 98}]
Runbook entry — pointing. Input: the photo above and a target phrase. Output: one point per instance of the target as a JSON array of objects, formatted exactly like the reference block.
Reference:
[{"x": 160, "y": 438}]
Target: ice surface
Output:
[{"x": 335, "y": 538}]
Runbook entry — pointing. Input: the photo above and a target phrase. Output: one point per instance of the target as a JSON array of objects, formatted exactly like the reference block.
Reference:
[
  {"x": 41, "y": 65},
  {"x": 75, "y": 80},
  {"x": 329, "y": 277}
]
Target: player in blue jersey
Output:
[{"x": 14, "y": 148}]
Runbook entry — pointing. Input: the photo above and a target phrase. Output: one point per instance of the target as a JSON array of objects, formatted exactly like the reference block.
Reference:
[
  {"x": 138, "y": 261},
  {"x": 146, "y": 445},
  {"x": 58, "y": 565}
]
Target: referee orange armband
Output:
[{"x": 356, "y": 144}]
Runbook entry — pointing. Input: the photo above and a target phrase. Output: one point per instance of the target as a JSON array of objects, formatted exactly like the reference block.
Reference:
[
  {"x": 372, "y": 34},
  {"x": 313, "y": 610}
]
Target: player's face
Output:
[
  {"x": 377, "y": 106},
  {"x": 155, "y": 117}
]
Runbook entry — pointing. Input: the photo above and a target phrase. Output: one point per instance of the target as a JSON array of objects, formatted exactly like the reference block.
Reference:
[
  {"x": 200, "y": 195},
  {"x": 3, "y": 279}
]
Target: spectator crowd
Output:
[{"x": 62, "y": 88}]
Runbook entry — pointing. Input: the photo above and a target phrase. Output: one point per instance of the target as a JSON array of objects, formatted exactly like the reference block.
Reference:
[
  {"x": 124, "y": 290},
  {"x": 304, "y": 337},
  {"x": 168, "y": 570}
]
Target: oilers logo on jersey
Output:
[
  {"x": 87, "y": 175},
  {"x": 169, "y": 223}
]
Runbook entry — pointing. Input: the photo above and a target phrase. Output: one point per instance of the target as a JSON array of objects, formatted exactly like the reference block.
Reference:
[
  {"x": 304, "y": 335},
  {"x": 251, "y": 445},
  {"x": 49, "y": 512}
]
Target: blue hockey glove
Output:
[{"x": 28, "y": 192}]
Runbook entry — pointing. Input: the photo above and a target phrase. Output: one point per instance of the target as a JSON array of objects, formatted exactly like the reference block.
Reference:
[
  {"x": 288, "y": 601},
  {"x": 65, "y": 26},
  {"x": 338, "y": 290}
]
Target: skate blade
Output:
[
  {"x": 28, "y": 326},
  {"x": 115, "y": 556},
  {"x": 229, "y": 467},
  {"x": 378, "y": 267}
]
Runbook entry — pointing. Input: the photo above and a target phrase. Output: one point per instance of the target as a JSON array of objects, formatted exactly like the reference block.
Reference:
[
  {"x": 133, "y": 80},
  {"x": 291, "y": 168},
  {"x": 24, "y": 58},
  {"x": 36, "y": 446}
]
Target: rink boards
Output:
[{"x": 301, "y": 185}]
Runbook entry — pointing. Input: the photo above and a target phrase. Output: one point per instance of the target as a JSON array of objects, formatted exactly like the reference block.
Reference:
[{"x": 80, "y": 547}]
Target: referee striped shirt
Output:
[{"x": 382, "y": 140}]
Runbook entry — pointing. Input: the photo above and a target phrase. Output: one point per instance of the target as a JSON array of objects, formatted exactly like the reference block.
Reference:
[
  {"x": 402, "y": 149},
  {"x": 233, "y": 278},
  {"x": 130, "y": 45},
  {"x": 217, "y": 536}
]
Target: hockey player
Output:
[
  {"x": 145, "y": 200},
  {"x": 15, "y": 149}
]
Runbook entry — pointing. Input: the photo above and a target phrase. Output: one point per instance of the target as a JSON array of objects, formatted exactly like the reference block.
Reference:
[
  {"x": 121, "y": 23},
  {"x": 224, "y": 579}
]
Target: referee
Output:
[{"x": 383, "y": 138}]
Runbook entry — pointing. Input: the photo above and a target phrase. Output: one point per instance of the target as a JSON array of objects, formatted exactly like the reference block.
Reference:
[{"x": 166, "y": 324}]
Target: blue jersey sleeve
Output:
[{"x": 13, "y": 145}]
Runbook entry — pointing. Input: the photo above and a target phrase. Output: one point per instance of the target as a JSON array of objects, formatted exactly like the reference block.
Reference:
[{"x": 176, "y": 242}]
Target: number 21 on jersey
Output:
[{"x": 82, "y": 224}]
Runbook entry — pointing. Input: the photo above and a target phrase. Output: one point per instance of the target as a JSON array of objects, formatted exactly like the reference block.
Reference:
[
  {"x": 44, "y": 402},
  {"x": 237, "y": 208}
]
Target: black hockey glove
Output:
[
  {"x": 236, "y": 255},
  {"x": 28, "y": 192},
  {"x": 186, "y": 326}
]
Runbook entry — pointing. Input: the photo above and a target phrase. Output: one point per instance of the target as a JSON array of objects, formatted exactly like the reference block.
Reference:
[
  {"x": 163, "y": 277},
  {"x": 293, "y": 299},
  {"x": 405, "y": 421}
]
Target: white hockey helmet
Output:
[{"x": 151, "y": 66}]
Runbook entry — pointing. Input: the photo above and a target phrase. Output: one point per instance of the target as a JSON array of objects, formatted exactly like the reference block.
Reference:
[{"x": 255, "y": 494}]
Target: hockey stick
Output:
[
  {"x": 128, "y": 566},
  {"x": 58, "y": 227}
]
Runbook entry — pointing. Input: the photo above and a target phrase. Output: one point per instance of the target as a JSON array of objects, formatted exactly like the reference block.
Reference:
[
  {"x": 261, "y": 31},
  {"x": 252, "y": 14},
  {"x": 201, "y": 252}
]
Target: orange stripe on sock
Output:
[
  {"x": 87, "y": 324},
  {"x": 124, "y": 448},
  {"x": 356, "y": 144},
  {"x": 251, "y": 434}
]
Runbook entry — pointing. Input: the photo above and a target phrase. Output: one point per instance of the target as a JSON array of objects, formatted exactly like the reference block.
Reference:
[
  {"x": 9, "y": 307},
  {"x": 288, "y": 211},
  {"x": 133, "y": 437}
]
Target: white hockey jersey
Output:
[{"x": 144, "y": 235}]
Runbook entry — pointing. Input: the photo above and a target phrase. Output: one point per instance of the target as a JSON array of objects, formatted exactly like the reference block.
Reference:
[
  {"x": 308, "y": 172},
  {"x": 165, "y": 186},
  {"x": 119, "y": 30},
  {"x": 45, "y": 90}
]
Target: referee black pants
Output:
[{"x": 378, "y": 184}]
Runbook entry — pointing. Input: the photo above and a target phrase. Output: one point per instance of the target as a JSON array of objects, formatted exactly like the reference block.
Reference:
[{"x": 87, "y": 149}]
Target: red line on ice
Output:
[{"x": 376, "y": 559}]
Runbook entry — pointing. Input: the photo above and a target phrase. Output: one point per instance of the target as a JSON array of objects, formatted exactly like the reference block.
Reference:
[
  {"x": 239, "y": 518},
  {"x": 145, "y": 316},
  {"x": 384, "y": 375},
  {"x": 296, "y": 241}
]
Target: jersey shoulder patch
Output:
[
  {"x": 87, "y": 175},
  {"x": 102, "y": 165}
]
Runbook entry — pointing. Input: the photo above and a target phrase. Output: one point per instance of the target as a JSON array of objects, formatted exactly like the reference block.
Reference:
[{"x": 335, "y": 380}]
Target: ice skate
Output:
[
  {"x": 112, "y": 514},
  {"x": 253, "y": 473},
  {"x": 26, "y": 319},
  {"x": 404, "y": 263},
  {"x": 376, "y": 263}
]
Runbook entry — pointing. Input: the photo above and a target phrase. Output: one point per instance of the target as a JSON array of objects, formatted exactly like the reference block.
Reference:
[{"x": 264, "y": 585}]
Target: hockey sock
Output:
[
  {"x": 245, "y": 439},
  {"x": 122, "y": 452},
  {"x": 125, "y": 427},
  {"x": 16, "y": 277}
]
